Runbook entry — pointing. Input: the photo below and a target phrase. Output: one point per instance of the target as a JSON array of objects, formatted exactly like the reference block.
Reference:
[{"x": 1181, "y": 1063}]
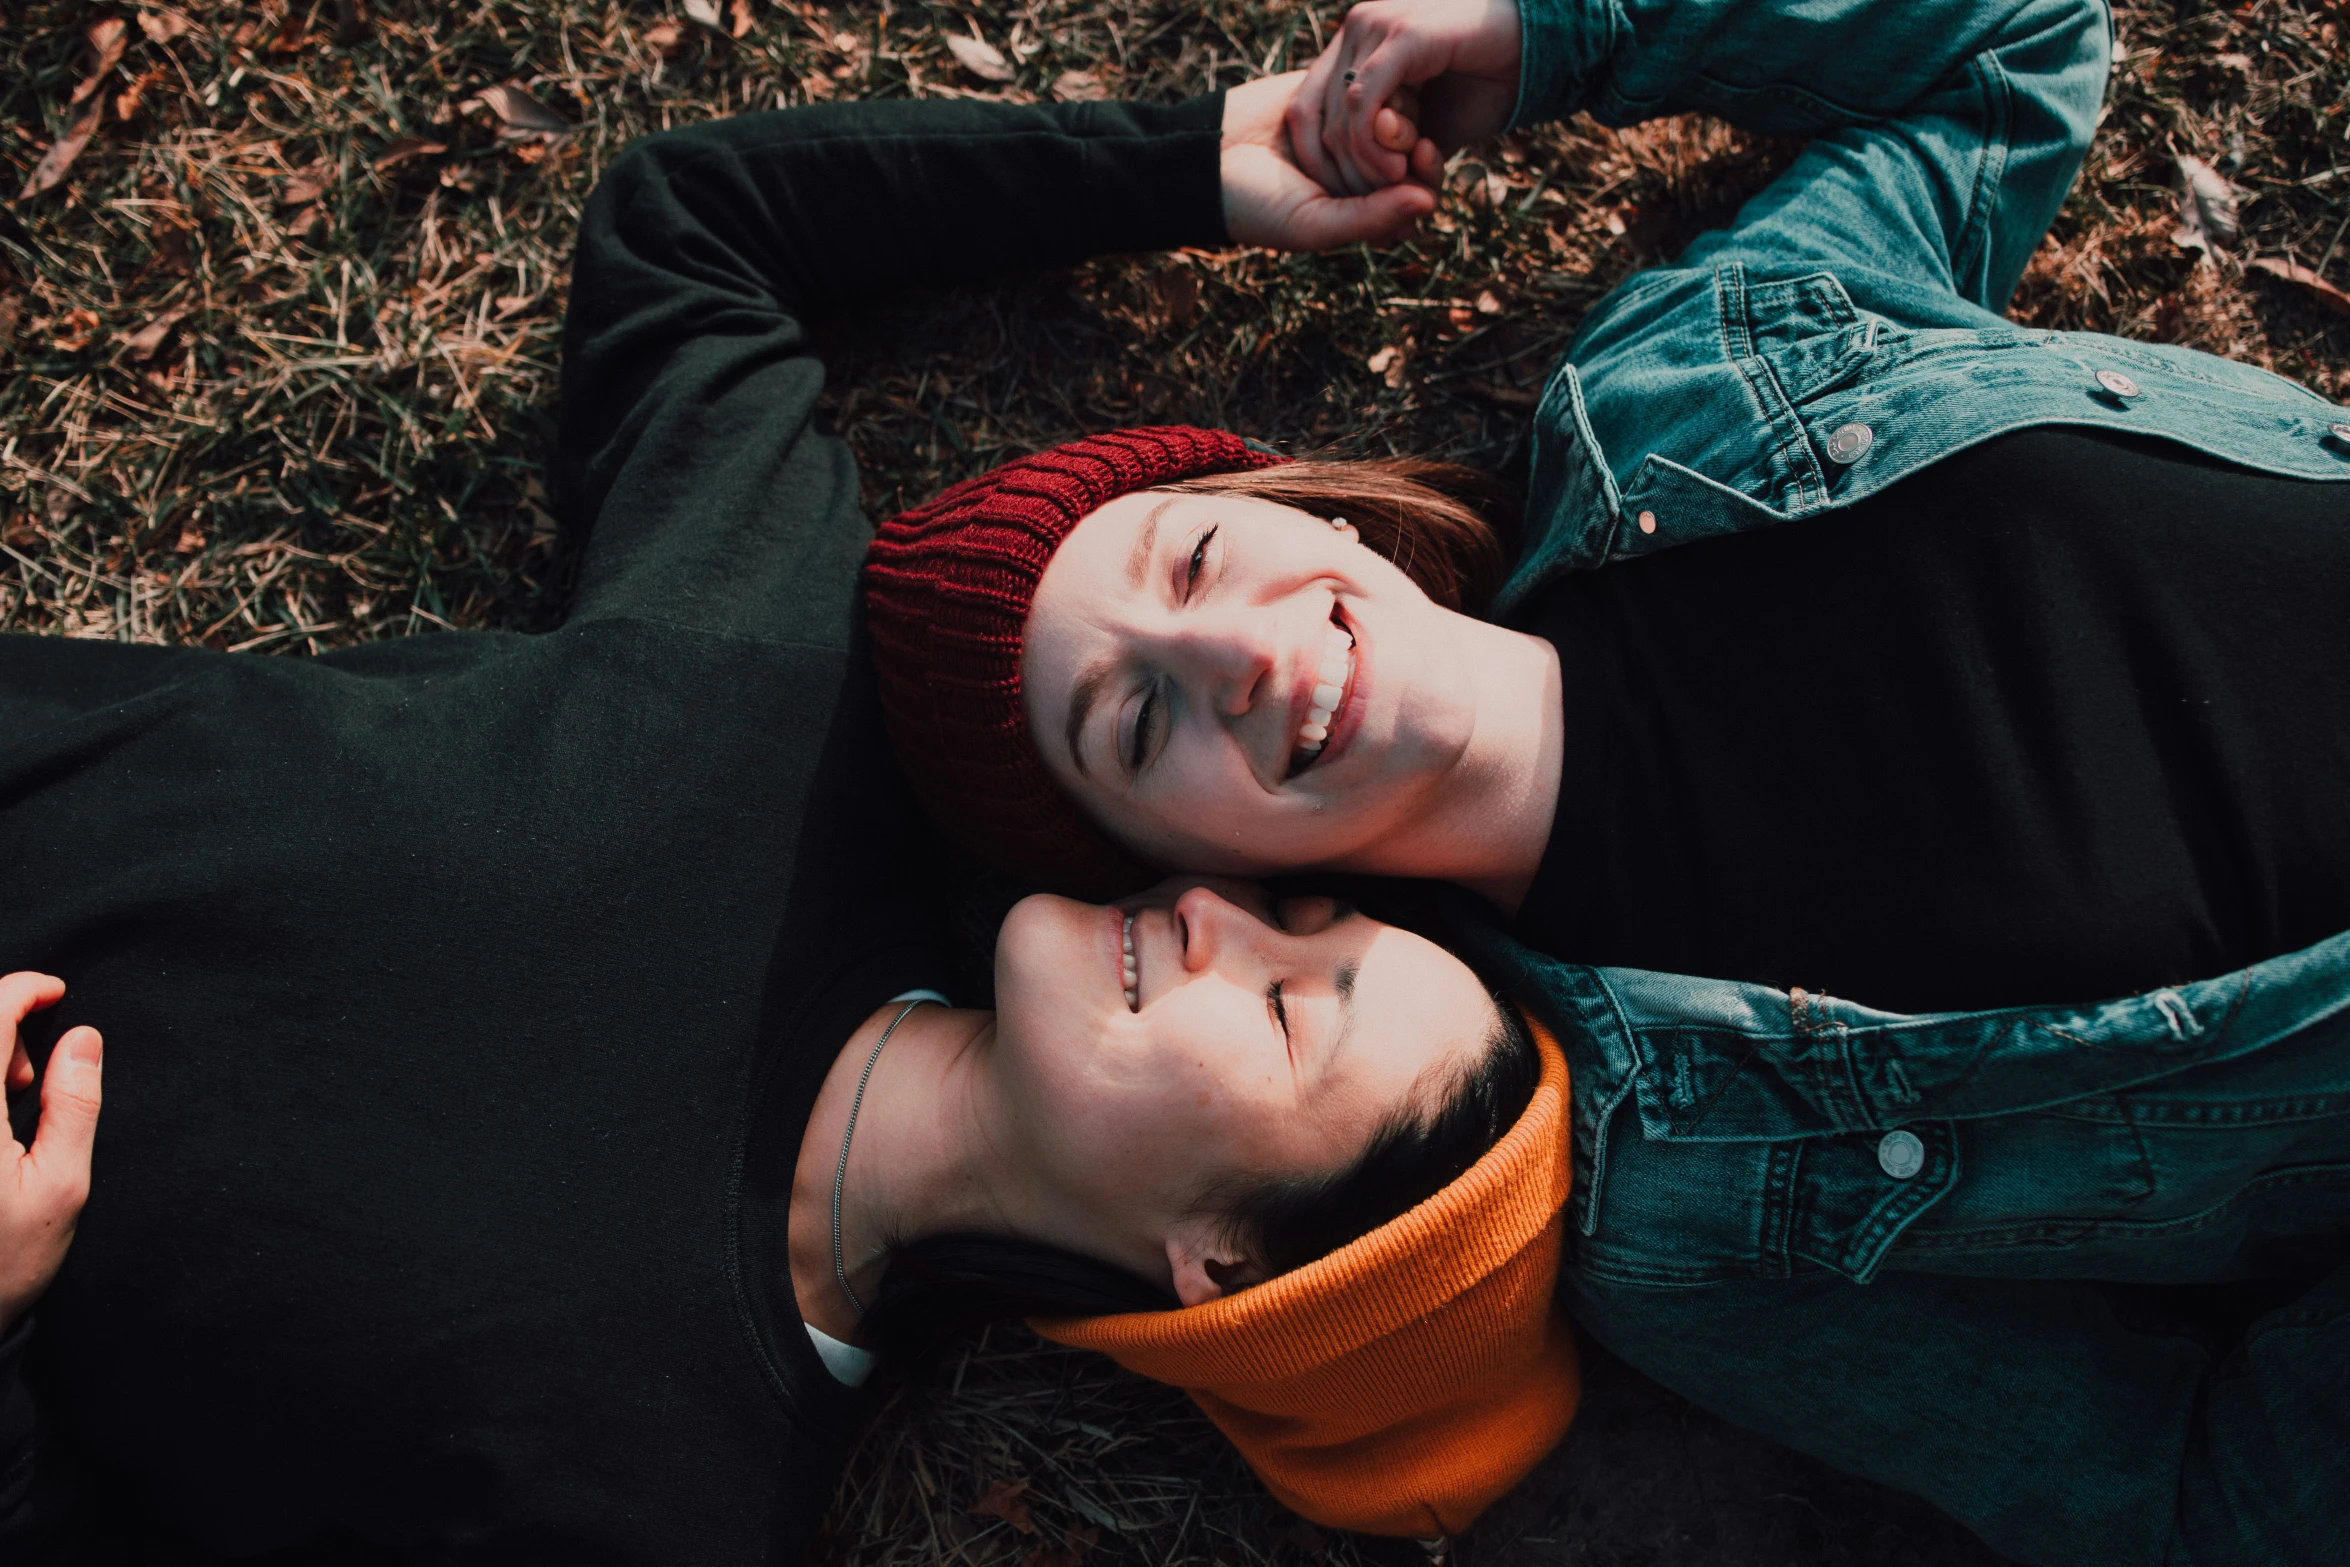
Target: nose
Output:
[
  {"x": 1211, "y": 925},
  {"x": 1228, "y": 657}
]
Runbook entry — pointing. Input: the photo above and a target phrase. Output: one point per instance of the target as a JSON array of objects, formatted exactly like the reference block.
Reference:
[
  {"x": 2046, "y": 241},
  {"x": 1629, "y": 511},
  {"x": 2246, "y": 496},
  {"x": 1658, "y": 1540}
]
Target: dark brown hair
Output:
[
  {"x": 1442, "y": 524},
  {"x": 944, "y": 1286}
]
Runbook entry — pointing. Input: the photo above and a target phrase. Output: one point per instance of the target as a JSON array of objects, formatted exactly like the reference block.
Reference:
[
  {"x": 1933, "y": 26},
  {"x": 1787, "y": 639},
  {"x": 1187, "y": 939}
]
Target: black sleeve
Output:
[
  {"x": 685, "y": 457},
  {"x": 40, "y": 1515}
]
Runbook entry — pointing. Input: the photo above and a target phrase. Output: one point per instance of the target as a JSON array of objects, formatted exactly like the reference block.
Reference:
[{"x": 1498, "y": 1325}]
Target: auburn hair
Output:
[{"x": 1441, "y": 523}]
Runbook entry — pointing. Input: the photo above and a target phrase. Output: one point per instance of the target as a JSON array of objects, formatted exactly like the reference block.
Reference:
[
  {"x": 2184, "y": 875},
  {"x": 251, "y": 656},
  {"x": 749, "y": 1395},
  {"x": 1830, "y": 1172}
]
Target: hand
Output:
[
  {"x": 42, "y": 1188},
  {"x": 1460, "y": 57},
  {"x": 1268, "y": 200}
]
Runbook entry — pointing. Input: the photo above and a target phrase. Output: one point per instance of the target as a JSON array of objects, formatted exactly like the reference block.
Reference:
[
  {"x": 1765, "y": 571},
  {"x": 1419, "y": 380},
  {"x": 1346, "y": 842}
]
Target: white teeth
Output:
[
  {"x": 1133, "y": 976},
  {"x": 1337, "y": 663}
]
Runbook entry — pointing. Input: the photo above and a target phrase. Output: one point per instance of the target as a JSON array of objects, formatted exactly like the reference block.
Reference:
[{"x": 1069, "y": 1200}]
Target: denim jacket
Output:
[
  {"x": 1844, "y": 331},
  {"x": 1861, "y": 1232}
]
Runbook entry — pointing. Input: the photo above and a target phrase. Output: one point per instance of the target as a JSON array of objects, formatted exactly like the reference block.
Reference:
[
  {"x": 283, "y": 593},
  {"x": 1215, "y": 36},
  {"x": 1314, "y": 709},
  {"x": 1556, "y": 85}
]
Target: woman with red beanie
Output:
[{"x": 1861, "y": 641}]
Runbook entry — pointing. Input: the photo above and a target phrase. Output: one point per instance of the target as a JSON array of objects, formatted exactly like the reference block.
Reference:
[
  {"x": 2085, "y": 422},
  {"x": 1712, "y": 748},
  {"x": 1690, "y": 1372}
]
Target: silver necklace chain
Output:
[{"x": 840, "y": 1267}]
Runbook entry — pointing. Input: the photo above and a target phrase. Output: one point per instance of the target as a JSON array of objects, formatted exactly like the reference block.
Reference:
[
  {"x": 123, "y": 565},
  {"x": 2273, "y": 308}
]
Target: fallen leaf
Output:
[
  {"x": 522, "y": 112},
  {"x": 1487, "y": 305},
  {"x": 71, "y": 332},
  {"x": 664, "y": 37},
  {"x": 2234, "y": 62},
  {"x": 1380, "y": 361},
  {"x": 161, "y": 27},
  {"x": 738, "y": 17},
  {"x": 306, "y": 187},
  {"x": 1179, "y": 294},
  {"x": 126, "y": 102},
  {"x": 11, "y": 311},
  {"x": 2307, "y": 277},
  {"x": 191, "y": 540},
  {"x": 981, "y": 58},
  {"x": 141, "y": 345},
  {"x": 706, "y": 13},
  {"x": 1461, "y": 317},
  {"x": 64, "y": 150},
  {"x": 107, "y": 41},
  {"x": 1080, "y": 87},
  {"x": 401, "y": 149},
  {"x": 306, "y": 222},
  {"x": 291, "y": 37},
  {"x": 171, "y": 258},
  {"x": 1007, "y": 1500},
  {"x": 509, "y": 303},
  {"x": 2207, "y": 207}
]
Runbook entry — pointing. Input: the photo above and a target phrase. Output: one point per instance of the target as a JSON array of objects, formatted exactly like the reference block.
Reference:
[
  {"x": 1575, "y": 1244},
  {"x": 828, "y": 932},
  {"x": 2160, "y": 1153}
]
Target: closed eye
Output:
[
  {"x": 1138, "y": 748},
  {"x": 1199, "y": 562}
]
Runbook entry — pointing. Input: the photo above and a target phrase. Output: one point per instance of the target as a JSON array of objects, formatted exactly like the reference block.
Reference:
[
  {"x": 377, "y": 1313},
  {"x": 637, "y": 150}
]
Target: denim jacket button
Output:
[
  {"x": 1849, "y": 442},
  {"x": 2341, "y": 432},
  {"x": 1648, "y": 522},
  {"x": 2117, "y": 383},
  {"x": 1901, "y": 1155}
]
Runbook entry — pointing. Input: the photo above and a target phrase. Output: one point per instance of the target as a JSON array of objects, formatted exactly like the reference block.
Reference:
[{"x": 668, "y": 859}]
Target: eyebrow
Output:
[
  {"x": 1097, "y": 675},
  {"x": 1344, "y": 980},
  {"x": 1146, "y": 541}
]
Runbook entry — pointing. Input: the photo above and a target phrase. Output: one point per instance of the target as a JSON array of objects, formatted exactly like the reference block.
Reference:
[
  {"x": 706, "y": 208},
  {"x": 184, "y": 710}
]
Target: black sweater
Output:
[
  {"x": 465, "y": 996},
  {"x": 2063, "y": 717}
]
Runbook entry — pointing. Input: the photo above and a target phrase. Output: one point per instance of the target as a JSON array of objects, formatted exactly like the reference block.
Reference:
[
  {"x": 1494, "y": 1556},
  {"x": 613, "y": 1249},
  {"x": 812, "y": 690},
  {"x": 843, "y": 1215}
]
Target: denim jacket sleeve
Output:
[
  {"x": 1946, "y": 131},
  {"x": 1843, "y": 331}
]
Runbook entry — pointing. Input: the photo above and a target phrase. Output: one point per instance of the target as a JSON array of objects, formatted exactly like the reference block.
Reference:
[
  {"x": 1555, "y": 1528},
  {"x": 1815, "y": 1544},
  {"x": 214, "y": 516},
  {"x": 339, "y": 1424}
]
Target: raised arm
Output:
[
  {"x": 1947, "y": 132},
  {"x": 685, "y": 457}
]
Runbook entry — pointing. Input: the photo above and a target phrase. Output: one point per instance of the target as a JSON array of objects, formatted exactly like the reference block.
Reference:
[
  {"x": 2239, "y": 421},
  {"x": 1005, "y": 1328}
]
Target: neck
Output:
[
  {"x": 1488, "y": 821},
  {"x": 913, "y": 1167}
]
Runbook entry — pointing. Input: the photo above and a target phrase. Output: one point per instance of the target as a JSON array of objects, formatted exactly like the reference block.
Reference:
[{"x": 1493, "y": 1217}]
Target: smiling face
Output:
[
  {"x": 1235, "y": 685},
  {"x": 1257, "y": 1040}
]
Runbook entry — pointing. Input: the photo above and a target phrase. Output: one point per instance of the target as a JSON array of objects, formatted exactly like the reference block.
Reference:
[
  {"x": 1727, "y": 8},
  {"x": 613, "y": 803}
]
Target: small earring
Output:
[{"x": 1339, "y": 523}]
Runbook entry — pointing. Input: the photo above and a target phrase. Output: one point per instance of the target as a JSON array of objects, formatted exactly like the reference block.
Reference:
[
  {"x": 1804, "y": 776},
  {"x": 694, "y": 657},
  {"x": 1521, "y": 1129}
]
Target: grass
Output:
[{"x": 277, "y": 360}]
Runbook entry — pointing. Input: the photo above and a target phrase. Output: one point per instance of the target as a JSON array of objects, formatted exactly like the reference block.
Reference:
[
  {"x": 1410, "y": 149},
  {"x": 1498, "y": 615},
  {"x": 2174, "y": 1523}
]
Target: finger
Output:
[
  {"x": 1336, "y": 149},
  {"x": 21, "y": 994},
  {"x": 1379, "y": 218},
  {"x": 70, "y": 1094},
  {"x": 1303, "y": 120},
  {"x": 25, "y": 992},
  {"x": 1378, "y": 77},
  {"x": 1428, "y": 164},
  {"x": 1393, "y": 132}
]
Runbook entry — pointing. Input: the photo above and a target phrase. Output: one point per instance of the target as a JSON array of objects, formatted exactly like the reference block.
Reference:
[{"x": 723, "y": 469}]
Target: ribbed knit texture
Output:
[
  {"x": 947, "y": 590},
  {"x": 1404, "y": 1382}
]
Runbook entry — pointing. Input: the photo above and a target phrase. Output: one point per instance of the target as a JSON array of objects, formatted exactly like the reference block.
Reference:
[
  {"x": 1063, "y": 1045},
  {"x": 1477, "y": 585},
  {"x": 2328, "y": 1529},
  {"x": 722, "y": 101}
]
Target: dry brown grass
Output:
[{"x": 271, "y": 378}]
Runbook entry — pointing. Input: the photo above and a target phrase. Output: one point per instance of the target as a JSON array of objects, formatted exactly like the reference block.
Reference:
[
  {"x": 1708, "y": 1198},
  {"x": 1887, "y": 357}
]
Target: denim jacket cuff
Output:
[{"x": 1562, "y": 46}]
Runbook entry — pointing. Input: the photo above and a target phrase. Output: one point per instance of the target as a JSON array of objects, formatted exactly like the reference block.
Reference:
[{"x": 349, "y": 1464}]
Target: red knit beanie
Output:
[{"x": 947, "y": 590}]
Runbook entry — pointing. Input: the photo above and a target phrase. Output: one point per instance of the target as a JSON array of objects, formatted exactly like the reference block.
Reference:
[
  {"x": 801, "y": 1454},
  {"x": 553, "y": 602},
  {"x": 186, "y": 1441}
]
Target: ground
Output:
[{"x": 278, "y": 353}]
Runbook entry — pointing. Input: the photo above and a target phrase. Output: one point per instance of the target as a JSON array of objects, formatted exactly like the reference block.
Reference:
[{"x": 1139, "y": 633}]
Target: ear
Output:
[{"x": 1205, "y": 1263}]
